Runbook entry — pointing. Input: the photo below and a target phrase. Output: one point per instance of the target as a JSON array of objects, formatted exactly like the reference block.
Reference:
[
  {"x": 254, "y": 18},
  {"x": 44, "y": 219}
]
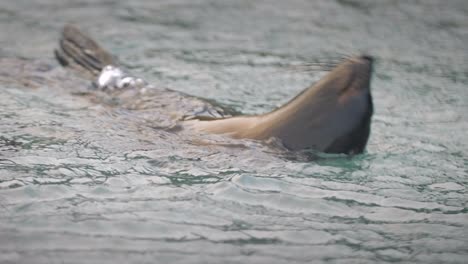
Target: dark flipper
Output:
[{"x": 80, "y": 52}]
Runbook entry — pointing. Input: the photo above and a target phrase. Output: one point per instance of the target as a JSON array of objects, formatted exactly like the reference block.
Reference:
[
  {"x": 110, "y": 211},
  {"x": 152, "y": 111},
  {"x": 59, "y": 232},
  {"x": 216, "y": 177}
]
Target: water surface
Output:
[{"x": 82, "y": 182}]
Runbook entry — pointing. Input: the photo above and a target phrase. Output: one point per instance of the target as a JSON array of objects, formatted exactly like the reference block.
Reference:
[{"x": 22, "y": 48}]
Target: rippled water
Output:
[{"x": 82, "y": 182}]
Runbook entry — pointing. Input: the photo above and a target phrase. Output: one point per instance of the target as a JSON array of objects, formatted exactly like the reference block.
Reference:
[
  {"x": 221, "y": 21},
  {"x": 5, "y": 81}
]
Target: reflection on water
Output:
[{"x": 82, "y": 182}]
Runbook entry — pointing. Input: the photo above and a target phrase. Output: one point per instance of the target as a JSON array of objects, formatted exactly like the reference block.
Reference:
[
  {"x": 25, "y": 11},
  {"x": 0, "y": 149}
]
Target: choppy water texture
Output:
[{"x": 85, "y": 183}]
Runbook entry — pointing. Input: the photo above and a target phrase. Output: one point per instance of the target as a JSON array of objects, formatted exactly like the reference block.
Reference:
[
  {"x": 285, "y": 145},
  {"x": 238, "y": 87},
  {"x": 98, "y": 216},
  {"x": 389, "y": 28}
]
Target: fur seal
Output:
[{"x": 332, "y": 116}]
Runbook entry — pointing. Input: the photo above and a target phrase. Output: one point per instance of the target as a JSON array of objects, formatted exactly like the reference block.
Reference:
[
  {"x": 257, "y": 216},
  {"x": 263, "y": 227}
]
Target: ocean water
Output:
[{"x": 82, "y": 182}]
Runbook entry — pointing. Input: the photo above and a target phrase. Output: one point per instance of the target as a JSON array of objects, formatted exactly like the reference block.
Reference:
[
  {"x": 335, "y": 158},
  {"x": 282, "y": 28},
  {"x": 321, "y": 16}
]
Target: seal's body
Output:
[{"x": 333, "y": 116}]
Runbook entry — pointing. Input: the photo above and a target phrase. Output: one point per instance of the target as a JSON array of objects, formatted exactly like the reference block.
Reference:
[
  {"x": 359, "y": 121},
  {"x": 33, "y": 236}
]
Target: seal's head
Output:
[{"x": 331, "y": 116}]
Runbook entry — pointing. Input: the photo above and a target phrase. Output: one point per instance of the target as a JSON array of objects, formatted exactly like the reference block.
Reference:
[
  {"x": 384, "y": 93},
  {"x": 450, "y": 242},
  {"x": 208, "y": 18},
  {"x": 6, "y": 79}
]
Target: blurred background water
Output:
[{"x": 80, "y": 183}]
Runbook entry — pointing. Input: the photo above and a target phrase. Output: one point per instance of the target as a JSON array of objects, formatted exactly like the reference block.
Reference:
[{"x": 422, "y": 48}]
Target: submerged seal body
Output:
[{"x": 333, "y": 115}]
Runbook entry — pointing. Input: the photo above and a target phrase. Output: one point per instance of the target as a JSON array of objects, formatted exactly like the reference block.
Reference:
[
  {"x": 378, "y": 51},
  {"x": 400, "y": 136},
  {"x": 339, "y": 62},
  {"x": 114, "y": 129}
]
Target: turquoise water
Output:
[{"x": 82, "y": 182}]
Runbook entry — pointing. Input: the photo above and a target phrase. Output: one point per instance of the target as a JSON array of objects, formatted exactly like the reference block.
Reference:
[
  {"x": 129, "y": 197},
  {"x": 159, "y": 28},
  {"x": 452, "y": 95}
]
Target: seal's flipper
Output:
[{"x": 80, "y": 52}]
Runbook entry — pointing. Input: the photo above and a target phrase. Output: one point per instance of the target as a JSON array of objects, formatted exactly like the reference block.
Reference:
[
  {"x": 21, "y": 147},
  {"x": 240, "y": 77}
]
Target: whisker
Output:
[{"x": 316, "y": 65}]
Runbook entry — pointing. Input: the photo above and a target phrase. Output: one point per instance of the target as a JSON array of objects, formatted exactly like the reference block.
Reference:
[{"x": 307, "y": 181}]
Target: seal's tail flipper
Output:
[{"x": 80, "y": 52}]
